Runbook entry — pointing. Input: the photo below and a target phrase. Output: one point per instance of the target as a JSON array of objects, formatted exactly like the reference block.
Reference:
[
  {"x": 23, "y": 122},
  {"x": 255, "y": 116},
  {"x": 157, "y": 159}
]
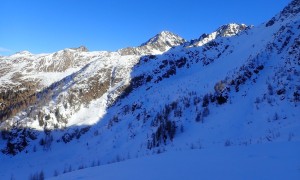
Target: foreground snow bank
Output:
[{"x": 262, "y": 161}]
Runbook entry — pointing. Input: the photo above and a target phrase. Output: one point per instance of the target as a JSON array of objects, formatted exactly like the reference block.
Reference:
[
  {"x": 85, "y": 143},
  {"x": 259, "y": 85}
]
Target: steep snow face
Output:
[
  {"x": 289, "y": 12},
  {"x": 231, "y": 91},
  {"x": 156, "y": 45}
]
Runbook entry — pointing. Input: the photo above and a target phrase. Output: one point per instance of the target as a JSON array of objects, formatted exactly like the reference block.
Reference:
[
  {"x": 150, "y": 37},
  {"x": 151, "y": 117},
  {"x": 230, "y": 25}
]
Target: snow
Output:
[
  {"x": 44, "y": 69},
  {"x": 47, "y": 78},
  {"x": 262, "y": 161},
  {"x": 260, "y": 146},
  {"x": 90, "y": 115},
  {"x": 228, "y": 30}
]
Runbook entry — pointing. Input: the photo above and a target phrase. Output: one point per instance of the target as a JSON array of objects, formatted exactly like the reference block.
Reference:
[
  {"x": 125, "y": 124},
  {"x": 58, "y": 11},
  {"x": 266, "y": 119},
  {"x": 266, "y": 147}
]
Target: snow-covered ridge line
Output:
[{"x": 227, "y": 30}]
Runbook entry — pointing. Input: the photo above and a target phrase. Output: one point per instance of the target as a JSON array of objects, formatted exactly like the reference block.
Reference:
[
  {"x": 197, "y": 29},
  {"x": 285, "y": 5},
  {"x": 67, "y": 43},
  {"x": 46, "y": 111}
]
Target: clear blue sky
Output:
[{"x": 50, "y": 25}]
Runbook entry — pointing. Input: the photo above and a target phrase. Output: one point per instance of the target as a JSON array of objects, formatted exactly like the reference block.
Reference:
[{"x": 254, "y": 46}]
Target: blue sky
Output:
[{"x": 42, "y": 26}]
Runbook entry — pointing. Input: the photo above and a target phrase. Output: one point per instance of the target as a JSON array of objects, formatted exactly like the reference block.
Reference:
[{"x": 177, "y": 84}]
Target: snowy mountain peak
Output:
[
  {"x": 230, "y": 29},
  {"x": 227, "y": 30},
  {"x": 24, "y": 53},
  {"x": 80, "y": 49},
  {"x": 165, "y": 37},
  {"x": 158, "y": 44}
]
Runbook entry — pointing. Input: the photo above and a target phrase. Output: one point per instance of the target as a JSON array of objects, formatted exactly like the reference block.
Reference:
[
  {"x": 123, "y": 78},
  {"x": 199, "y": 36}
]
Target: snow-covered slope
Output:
[
  {"x": 239, "y": 88},
  {"x": 277, "y": 161},
  {"x": 73, "y": 78}
]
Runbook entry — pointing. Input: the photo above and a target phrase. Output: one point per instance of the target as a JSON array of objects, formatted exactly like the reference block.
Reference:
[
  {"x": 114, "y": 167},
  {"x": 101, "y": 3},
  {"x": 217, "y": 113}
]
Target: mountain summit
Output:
[
  {"x": 231, "y": 29},
  {"x": 227, "y": 30},
  {"x": 156, "y": 45},
  {"x": 164, "y": 39}
]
